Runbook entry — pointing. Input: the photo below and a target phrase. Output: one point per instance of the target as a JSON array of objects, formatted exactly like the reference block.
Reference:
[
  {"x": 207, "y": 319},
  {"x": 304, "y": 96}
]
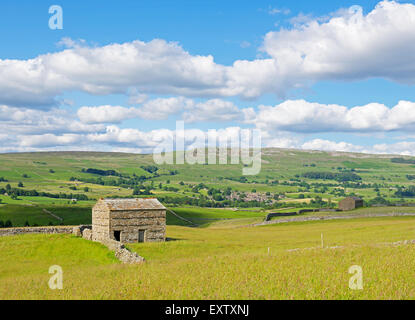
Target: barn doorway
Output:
[
  {"x": 117, "y": 235},
  {"x": 141, "y": 235}
]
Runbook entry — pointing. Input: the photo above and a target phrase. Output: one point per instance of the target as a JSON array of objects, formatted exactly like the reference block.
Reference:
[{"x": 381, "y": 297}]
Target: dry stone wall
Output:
[
  {"x": 28, "y": 230},
  {"x": 153, "y": 222},
  {"x": 121, "y": 252},
  {"x": 334, "y": 217},
  {"x": 87, "y": 234}
]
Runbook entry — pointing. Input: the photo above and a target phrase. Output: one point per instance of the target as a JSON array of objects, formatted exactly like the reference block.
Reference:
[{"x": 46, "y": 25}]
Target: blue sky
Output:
[{"x": 258, "y": 32}]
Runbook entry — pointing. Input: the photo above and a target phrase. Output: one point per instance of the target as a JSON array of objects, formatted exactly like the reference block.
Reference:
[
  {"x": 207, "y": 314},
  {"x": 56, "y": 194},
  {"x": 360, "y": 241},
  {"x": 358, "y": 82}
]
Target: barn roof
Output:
[{"x": 133, "y": 204}]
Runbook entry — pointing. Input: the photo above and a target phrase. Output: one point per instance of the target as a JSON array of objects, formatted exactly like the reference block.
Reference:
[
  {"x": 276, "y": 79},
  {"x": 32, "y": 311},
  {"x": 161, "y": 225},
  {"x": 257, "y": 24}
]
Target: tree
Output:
[
  {"x": 136, "y": 191},
  {"x": 86, "y": 189},
  {"x": 8, "y": 224},
  {"x": 26, "y": 224},
  {"x": 20, "y": 185},
  {"x": 1, "y": 224}
]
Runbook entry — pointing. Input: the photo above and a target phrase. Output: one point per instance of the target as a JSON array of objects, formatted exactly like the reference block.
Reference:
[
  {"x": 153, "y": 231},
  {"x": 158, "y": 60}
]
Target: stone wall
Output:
[
  {"x": 78, "y": 230},
  {"x": 333, "y": 217},
  {"x": 289, "y": 214},
  {"x": 100, "y": 222},
  {"x": 121, "y": 252},
  {"x": 153, "y": 222},
  {"x": 26, "y": 230},
  {"x": 279, "y": 214}
]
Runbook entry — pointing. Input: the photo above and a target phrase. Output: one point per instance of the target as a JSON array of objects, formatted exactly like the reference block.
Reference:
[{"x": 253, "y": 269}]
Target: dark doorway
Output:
[
  {"x": 141, "y": 235},
  {"x": 117, "y": 235}
]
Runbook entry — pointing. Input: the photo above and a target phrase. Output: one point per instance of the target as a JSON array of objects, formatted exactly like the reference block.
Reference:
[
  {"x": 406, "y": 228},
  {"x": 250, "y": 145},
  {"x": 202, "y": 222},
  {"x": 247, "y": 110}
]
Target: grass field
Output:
[
  {"x": 38, "y": 214},
  {"x": 222, "y": 263},
  {"x": 213, "y": 253}
]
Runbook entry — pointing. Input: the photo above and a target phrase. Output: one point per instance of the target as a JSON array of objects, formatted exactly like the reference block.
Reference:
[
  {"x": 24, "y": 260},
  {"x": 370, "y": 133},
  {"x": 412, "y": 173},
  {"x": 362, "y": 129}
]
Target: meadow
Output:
[
  {"x": 212, "y": 252},
  {"x": 270, "y": 262}
]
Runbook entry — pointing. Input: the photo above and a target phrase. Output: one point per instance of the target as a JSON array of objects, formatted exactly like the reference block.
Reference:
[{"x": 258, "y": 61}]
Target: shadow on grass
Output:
[{"x": 174, "y": 239}]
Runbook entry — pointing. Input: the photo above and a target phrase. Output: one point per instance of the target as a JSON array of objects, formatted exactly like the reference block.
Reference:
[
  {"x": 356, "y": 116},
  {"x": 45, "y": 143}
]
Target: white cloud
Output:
[
  {"x": 156, "y": 66},
  {"x": 326, "y": 145},
  {"x": 133, "y": 140},
  {"x": 105, "y": 114},
  {"x": 156, "y": 109},
  {"x": 348, "y": 46},
  {"x": 306, "y": 117},
  {"x": 345, "y": 46},
  {"x": 214, "y": 110},
  {"x": 274, "y": 11},
  {"x": 28, "y": 121},
  {"x": 162, "y": 108},
  {"x": 135, "y": 97},
  {"x": 401, "y": 148},
  {"x": 47, "y": 140}
]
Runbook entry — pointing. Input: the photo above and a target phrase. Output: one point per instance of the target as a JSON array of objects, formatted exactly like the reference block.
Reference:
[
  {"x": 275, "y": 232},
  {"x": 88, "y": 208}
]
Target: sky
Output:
[{"x": 319, "y": 75}]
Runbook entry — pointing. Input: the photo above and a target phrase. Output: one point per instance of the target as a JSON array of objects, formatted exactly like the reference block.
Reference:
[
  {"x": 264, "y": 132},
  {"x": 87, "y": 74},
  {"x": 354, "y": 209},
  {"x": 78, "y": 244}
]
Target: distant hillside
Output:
[{"x": 288, "y": 178}]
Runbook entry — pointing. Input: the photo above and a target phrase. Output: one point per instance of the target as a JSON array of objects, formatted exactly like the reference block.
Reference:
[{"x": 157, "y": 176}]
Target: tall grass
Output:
[{"x": 225, "y": 263}]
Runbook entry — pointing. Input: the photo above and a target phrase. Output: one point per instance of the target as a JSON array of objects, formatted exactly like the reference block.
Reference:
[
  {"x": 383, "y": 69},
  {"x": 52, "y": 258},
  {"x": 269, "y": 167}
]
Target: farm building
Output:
[
  {"x": 129, "y": 220},
  {"x": 350, "y": 203}
]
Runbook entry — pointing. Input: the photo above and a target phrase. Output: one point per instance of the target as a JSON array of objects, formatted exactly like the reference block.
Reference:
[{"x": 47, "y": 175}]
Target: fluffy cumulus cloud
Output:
[
  {"x": 400, "y": 148},
  {"x": 217, "y": 110},
  {"x": 156, "y": 109},
  {"x": 47, "y": 140},
  {"x": 119, "y": 139},
  {"x": 162, "y": 108},
  {"x": 214, "y": 110},
  {"x": 404, "y": 148},
  {"x": 156, "y": 66},
  {"x": 286, "y": 125},
  {"x": 327, "y": 145},
  {"x": 348, "y": 45},
  {"x": 306, "y": 117},
  {"x": 105, "y": 114},
  {"x": 28, "y": 121}
]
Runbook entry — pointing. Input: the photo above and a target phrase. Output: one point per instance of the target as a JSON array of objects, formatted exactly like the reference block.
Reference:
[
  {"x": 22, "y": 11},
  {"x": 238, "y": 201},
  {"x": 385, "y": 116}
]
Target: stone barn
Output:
[
  {"x": 350, "y": 203},
  {"x": 129, "y": 220}
]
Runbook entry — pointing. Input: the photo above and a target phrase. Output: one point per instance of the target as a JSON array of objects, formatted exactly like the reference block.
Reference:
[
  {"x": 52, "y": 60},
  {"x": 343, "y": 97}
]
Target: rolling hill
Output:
[{"x": 68, "y": 183}]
